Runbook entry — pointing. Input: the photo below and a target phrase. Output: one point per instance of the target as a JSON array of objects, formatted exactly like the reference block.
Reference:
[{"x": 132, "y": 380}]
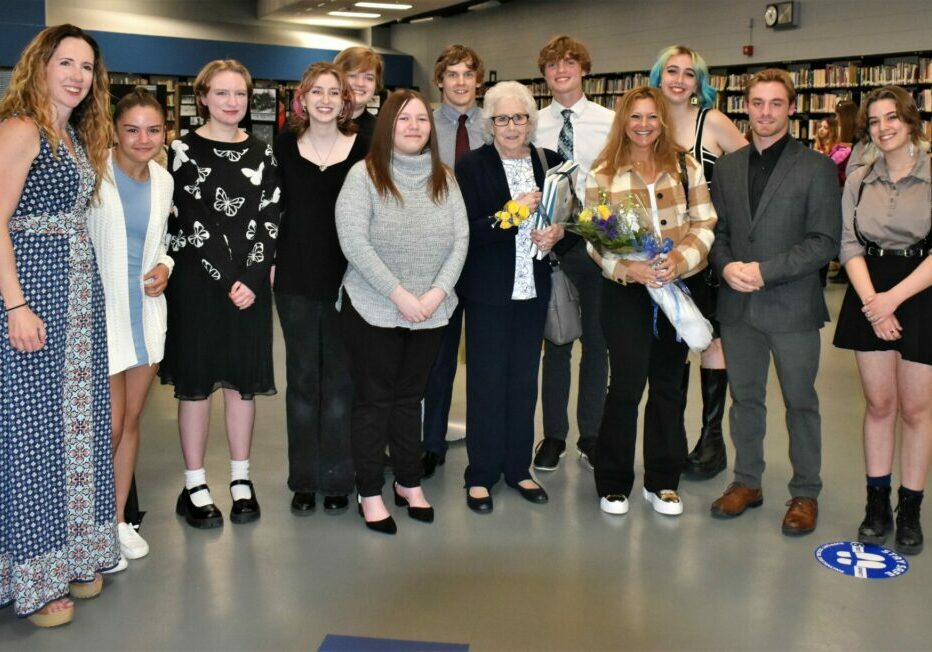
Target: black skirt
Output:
[{"x": 855, "y": 332}]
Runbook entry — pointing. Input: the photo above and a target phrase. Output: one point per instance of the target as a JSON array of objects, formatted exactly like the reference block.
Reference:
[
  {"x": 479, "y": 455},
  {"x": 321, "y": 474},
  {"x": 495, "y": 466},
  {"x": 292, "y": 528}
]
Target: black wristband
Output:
[{"x": 15, "y": 307}]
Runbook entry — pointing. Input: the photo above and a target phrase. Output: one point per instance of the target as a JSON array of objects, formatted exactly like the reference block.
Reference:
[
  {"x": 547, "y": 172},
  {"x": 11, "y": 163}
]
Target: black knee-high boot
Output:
[{"x": 708, "y": 458}]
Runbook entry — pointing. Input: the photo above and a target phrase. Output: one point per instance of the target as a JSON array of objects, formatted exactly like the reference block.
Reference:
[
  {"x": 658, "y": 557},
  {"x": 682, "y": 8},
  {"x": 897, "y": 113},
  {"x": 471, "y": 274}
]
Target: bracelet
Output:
[{"x": 15, "y": 307}]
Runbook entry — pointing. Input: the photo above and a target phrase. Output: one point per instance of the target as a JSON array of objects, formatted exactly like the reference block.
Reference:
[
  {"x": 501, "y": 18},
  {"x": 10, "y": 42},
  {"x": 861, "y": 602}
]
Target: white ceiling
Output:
[{"x": 315, "y": 12}]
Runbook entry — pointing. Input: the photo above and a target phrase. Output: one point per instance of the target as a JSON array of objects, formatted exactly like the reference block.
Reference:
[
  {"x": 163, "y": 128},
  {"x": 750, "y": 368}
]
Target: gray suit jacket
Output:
[{"x": 793, "y": 234}]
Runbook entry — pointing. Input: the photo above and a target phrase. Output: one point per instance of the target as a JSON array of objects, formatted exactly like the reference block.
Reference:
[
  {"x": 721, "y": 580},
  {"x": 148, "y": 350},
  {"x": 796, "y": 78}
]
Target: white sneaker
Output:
[
  {"x": 614, "y": 504},
  {"x": 119, "y": 567},
  {"x": 132, "y": 545},
  {"x": 665, "y": 501}
]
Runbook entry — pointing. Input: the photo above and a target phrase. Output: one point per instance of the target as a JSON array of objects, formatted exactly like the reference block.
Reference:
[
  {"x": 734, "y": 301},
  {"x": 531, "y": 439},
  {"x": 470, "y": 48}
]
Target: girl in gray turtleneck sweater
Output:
[{"x": 403, "y": 229}]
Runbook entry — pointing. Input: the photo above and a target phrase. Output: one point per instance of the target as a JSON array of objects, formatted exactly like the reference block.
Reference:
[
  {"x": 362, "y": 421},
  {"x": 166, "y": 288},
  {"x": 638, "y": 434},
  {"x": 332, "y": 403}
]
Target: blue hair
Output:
[{"x": 704, "y": 90}]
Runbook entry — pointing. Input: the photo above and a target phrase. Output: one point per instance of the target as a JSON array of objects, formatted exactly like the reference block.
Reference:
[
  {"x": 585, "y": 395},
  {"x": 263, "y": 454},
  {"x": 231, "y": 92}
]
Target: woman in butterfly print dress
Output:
[
  {"x": 223, "y": 233},
  {"x": 314, "y": 157}
]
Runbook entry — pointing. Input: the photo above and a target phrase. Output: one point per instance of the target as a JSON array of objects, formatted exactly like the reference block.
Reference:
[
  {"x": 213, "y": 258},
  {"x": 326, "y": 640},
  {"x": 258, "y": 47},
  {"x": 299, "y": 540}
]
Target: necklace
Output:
[{"x": 323, "y": 165}]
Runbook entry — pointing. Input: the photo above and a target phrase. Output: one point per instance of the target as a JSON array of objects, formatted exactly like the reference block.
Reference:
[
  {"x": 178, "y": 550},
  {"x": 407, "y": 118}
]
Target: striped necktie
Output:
[{"x": 565, "y": 142}]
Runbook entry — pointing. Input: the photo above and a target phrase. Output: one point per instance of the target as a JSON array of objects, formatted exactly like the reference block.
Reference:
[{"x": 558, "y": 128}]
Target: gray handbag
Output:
[{"x": 564, "y": 321}]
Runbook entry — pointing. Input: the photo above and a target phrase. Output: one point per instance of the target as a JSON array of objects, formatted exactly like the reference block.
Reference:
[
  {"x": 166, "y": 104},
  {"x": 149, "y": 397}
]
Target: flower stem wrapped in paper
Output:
[{"x": 624, "y": 231}]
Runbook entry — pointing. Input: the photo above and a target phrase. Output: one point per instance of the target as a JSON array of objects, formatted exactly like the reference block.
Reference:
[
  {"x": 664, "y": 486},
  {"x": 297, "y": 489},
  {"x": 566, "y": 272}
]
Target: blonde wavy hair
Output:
[{"x": 28, "y": 96}]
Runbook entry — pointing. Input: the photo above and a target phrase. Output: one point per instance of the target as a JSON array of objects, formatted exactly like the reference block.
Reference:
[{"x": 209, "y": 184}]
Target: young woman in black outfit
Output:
[{"x": 314, "y": 157}]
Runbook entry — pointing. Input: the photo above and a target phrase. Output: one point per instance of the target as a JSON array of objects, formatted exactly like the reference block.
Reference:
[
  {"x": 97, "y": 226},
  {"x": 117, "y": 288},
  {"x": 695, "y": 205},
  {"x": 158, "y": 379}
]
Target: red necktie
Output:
[{"x": 462, "y": 138}]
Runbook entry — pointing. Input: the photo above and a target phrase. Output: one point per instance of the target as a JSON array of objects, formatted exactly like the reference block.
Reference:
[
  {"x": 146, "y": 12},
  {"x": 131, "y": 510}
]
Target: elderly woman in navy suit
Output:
[{"x": 505, "y": 291}]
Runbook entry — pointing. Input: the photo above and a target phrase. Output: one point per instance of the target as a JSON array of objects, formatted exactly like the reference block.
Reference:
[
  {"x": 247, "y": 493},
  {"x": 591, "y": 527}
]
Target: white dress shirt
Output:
[{"x": 591, "y": 124}]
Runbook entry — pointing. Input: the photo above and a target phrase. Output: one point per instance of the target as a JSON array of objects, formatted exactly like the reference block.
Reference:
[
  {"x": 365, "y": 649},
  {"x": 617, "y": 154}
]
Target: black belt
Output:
[{"x": 912, "y": 252}]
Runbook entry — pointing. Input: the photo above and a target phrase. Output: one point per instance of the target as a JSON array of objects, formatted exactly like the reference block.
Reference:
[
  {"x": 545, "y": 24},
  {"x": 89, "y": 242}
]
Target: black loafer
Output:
[
  {"x": 203, "y": 518},
  {"x": 303, "y": 503},
  {"x": 479, "y": 505},
  {"x": 431, "y": 461},
  {"x": 335, "y": 504},
  {"x": 245, "y": 510},
  {"x": 537, "y": 495}
]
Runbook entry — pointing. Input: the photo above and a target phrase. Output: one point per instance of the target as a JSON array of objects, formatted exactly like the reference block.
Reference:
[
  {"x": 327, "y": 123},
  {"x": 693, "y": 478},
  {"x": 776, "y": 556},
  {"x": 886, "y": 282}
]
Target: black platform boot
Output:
[
  {"x": 708, "y": 458},
  {"x": 908, "y": 528},
  {"x": 878, "y": 516}
]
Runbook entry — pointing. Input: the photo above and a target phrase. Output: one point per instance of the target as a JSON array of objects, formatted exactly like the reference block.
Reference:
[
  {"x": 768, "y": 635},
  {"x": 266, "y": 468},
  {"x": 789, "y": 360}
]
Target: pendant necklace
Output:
[{"x": 323, "y": 166}]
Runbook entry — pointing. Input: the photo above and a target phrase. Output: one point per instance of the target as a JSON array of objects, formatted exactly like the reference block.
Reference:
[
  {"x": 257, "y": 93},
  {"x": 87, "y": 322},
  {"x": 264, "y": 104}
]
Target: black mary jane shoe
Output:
[
  {"x": 385, "y": 526},
  {"x": 245, "y": 510},
  {"x": 336, "y": 504},
  {"x": 303, "y": 503},
  {"x": 422, "y": 514},
  {"x": 203, "y": 518},
  {"x": 535, "y": 495},
  {"x": 479, "y": 505}
]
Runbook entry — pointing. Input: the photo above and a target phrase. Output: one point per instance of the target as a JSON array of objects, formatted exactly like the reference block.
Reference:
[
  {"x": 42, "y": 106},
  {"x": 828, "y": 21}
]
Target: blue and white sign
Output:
[{"x": 861, "y": 560}]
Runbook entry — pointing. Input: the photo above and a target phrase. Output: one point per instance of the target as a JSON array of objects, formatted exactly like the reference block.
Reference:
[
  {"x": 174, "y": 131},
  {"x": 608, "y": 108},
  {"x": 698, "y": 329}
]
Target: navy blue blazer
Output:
[{"x": 489, "y": 272}]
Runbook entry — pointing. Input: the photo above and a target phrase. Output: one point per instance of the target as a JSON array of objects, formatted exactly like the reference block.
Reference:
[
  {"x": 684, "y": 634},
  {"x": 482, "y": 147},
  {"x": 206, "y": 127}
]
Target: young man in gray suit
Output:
[{"x": 779, "y": 222}]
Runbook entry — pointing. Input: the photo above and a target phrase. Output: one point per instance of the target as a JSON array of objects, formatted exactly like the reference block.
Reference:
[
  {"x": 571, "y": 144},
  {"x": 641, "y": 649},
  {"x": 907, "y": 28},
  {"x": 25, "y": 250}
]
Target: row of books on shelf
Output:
[
  {"x": 844, "y": 74},
  {"x": 603, "y": 85}
]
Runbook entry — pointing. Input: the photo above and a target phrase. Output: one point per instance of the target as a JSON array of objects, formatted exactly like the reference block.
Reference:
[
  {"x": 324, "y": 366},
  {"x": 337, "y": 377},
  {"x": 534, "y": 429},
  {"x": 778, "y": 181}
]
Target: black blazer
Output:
[
  {"x": 793, "y": 234},
  {"x": 489, "y": 272}
]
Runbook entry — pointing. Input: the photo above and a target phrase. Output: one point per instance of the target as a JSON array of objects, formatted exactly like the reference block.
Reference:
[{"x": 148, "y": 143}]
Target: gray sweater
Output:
[{"x": 416, "y": 244}]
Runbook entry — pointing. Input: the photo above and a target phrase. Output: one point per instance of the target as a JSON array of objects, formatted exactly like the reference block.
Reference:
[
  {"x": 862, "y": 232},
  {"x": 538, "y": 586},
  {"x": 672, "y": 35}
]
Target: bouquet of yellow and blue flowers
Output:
[{"x": 617, "y": 231}]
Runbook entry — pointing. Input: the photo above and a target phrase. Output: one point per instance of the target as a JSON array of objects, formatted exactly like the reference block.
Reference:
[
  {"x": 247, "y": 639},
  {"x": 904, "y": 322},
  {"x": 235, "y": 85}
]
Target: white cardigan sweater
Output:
[{"x": 107, "y": 227}]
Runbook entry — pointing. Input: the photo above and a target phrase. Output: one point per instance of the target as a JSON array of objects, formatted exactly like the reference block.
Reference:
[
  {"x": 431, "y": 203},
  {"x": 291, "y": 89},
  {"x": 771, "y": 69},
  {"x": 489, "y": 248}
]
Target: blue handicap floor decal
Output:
[
  {"x": 861, "y": 560},
  {"x": 339, "y": 643}
]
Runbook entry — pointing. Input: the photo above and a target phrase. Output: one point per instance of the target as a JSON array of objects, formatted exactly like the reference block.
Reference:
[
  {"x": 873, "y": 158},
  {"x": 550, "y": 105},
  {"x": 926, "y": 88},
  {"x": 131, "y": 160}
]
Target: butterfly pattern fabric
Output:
[{"x": 227, "y": 209}]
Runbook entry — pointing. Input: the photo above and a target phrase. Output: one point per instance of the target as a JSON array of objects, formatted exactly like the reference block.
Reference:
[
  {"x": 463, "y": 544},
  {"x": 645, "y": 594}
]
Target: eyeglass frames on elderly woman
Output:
[{"x": 503, "y": 120}]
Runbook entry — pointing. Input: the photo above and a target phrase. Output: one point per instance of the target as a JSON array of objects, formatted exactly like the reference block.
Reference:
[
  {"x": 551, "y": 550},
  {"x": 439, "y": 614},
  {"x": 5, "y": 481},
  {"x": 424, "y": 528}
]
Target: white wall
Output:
[
  {"x": 220, "y": 20},
  {"x": 627, "y": 34}
]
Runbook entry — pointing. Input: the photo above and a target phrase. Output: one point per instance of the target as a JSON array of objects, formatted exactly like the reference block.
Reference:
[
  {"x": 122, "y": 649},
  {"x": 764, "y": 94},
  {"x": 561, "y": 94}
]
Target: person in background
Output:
[
  {"x": 127, "y": 227},
  {"x": 887, "y": 234},
  {"x": 682, "y": 76},
  {"x": 576, "y": 128},
  {"x": 846, "y": 113},
  {"x": 363, "y": 69},
  {"x": 779, "y": 221},
  {"x": 57, "y": 529},
  {"x": 505, "y": 289},
  {"x": 314, "y": 157},
  {"x": 402, "y": 226},
  {"x": 223, "y": 230},
  {"x": 642, "y": 157},
  {"x": 458, "y": 72}
]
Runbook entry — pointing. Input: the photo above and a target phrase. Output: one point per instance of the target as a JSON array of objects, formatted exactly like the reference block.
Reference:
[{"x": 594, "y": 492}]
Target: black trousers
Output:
[
  {"x": 389, "y": 367},
  {"x": 440, "y": 386},
  {"x": 318, "y": 398},
  {"x": 503, "y": 357},
  {"x": 638, "y": 357},
  {"x": 593, "y": 365}
]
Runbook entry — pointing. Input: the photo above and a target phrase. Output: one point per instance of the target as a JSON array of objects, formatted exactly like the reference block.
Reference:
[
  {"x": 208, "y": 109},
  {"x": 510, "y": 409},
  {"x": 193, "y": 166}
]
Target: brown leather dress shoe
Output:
[
  {"x": 801, "y": 516},
  {"x": 737, "y": 498}
]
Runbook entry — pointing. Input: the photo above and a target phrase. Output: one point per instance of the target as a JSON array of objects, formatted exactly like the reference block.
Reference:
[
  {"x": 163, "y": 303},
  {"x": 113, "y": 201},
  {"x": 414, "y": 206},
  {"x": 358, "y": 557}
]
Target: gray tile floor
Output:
[{"x": 562, "y": 576}]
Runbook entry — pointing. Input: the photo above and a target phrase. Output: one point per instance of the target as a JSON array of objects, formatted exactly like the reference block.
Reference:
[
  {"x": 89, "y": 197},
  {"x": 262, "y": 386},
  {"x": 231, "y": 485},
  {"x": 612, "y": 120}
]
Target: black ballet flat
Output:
[
  {"x": 245, "y": 510},
  {"x": 385, "y": 526},
  {"x": 535, "y": 495},
  {"x": 335, "y": 504},
  {"x": 479, "y": 505},
  {"x": 422, "y": 514},
  {"x": 202, "y": 518}
]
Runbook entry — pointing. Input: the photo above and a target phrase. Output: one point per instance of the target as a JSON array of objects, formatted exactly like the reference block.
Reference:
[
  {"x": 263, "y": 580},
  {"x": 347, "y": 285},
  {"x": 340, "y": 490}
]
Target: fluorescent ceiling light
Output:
[
  {"x": 353, "y": 14},
  {"x": 383, "y": 5},
  {"x": 422, "y": 20}
]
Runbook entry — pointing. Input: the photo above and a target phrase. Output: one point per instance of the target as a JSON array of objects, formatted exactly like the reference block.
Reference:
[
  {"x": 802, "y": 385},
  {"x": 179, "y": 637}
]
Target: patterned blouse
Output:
[
  {"x": 226, "y": 211},
  {"x": 520, "y": 175}
]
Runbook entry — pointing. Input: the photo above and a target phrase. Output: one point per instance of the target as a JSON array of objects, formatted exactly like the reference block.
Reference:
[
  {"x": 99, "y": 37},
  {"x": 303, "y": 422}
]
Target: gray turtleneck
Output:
[{"x": 416, "y": 244}]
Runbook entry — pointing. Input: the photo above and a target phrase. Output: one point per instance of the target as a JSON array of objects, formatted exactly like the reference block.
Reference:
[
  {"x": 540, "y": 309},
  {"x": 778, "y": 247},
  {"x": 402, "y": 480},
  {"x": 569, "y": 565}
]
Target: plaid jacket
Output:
[{"x": 692, "y": 230}]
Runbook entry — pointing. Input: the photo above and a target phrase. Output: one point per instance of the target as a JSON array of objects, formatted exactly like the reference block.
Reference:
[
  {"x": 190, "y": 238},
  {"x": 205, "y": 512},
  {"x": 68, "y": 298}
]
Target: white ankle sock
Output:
[
  {"x": 193, "y": 478},
  {"x": 239, "y": 470}
]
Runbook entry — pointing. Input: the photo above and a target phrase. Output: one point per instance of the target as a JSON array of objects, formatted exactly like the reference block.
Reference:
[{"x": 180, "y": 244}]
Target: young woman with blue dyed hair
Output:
[{"x": 706, "y": 133}]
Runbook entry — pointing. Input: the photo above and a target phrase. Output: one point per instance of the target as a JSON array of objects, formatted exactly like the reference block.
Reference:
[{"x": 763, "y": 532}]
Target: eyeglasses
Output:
[{"x": 503, "y": 120}]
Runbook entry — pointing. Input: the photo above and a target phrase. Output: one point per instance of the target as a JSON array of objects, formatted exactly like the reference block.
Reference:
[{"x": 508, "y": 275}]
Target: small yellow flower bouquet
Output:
[{"x": 511, "y": 215}]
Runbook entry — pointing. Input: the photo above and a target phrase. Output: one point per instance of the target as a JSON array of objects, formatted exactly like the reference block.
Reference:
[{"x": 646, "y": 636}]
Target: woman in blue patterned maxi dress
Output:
[{"x": 57, "y": 530}]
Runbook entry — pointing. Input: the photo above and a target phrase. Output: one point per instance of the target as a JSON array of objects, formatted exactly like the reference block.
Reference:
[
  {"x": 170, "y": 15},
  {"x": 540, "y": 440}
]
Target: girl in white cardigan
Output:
[{"x": 127, "y": 227}]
